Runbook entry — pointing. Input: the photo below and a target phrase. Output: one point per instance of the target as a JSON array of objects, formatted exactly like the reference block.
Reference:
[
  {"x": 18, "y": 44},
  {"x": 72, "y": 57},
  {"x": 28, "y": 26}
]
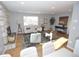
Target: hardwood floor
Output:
[
  {"x": 39, "y": 50},
  {"x": 16, "y": 51}
]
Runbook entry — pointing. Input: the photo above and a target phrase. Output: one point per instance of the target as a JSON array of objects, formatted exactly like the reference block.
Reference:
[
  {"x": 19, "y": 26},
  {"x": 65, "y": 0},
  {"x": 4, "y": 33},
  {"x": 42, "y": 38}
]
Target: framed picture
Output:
[{"x": 63, "y": 20}]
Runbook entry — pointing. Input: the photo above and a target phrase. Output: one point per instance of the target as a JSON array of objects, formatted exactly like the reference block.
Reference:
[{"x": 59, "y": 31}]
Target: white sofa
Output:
[
  {"x": 47, "y": 48},
  {"x": 29, "y": 52},
  {"x": 63, "y": 52},
  {"x": 32, "y": 28}
]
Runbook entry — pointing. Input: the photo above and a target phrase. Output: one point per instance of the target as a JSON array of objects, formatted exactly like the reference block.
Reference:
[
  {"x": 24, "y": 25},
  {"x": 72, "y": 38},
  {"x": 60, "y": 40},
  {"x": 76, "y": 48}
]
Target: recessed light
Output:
[
  {"x": 52, "y": 7},
  {"x": 22, "y": 2}
]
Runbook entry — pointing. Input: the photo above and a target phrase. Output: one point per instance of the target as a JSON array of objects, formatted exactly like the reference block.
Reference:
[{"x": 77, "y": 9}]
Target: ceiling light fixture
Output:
[
  {"x": 22, "y": 3},
  {"x": 52, "y": 7}
]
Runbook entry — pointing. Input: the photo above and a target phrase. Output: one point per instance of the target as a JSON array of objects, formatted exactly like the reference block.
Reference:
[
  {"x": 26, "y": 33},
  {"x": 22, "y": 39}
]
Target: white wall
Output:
[
  {"x": 3, "y": 32},
  {"x": 4, "y": 13},
  {"x": 15, "y": 18},
  {"x": 13, "y": 22},
  {"x": 74, "y": 26}
]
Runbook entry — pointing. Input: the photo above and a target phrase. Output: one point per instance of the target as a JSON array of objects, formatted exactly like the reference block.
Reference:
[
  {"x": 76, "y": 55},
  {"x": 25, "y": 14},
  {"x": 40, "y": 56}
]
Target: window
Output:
[{"x": 30, "y": 20}]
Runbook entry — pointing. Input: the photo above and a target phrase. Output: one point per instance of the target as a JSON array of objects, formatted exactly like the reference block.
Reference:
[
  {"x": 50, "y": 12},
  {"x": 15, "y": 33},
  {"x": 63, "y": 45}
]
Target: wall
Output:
[
  {"x": 15, "y": 18},
  {"x": 3, "y": 25},
  {"x": 74, "y": 27},
  {"x": 4, "y": 12}
]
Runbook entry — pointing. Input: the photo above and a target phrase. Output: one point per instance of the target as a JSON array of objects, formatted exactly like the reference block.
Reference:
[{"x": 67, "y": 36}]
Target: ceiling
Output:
[{"x": 39, "y": 7}]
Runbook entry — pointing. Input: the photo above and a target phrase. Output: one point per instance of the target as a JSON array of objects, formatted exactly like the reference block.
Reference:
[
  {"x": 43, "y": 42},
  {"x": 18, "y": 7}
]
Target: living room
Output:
[{"x": 39, "y": 25}]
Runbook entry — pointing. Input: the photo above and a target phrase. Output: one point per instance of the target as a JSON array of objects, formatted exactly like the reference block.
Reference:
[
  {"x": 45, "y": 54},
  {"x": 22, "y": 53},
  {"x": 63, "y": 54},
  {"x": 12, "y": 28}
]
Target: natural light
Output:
[{"x": 30, "y": 20}]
